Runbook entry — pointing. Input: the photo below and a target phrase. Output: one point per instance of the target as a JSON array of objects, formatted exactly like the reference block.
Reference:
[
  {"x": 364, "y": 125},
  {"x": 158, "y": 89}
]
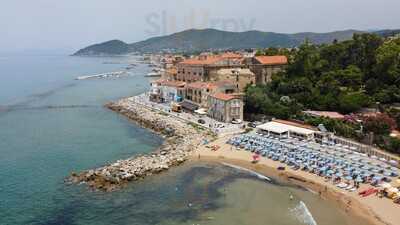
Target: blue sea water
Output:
[{"x": 51, "y": 125}]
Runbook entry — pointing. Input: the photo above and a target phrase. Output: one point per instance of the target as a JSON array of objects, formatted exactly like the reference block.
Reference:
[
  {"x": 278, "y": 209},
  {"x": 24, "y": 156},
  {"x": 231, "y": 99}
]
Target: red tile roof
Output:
[
  {"x": 173, "y": 83},
  {"x": 224, "y": 97},
  {"x": 272, "y": 60},
  {"x": 211, "y": 59},
  {"x": 206, "y": 61},
  {"x": 210, "y": 85},
  {"x": 197, "y": 85},
  {"x": 296, "y": 124}
]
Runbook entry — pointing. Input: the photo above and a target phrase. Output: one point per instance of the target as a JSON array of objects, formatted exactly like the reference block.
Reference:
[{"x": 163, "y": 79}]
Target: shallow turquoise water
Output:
[
  {"x": 51, "y": 125},
  {"x": 55, "y": 125}
]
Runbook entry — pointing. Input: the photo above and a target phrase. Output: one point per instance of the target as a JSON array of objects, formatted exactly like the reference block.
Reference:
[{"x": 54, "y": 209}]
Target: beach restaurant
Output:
[{"x": 284, "y": 130}]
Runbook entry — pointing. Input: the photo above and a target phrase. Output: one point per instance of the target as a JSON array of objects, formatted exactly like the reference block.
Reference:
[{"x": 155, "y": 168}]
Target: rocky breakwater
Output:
[{"x": 181, "y": 139}]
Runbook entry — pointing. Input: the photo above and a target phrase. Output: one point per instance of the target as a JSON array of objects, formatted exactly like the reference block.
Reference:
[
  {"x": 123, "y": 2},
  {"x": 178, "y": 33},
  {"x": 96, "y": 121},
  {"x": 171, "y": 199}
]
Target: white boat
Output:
[{"x": 153, "y": 74}]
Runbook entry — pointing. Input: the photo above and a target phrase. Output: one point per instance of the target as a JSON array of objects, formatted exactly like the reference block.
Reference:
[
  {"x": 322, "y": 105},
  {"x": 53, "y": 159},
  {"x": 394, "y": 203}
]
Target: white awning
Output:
[
  {"x": 281, "y": 128},
  {"x": 273, "y": 127}
]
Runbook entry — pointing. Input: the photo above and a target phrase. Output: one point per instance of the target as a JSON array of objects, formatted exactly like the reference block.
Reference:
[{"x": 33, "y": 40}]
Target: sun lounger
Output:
[
  {"x": 369, "y": 192},
  {"x": 342, "y": 185}
]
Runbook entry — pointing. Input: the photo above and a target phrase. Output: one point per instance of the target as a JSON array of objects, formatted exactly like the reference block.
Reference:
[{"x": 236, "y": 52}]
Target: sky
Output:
[{"x": 68, "y": 25}]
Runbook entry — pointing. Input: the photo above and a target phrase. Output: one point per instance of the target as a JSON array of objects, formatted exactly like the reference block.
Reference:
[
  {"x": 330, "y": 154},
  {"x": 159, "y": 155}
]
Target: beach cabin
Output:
[{"x": 283, "y": 130}]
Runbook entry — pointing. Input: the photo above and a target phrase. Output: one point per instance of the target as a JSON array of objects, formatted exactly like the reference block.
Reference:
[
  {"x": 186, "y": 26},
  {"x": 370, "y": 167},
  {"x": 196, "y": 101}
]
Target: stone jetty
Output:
[{"x": 180, "y": 139}]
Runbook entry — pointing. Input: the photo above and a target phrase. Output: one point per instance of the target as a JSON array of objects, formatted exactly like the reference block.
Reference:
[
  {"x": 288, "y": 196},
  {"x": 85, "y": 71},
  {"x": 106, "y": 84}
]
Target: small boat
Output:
[{"x": 153, "y": 74}]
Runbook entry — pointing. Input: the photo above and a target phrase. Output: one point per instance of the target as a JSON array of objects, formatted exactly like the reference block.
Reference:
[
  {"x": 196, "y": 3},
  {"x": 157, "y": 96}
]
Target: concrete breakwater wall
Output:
[{"x": 180, "y": 140}]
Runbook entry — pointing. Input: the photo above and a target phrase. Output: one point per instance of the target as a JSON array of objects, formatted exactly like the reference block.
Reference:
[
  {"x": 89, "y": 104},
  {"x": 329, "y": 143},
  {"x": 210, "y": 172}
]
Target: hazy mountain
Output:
[
  {"x": 114, "y": 47},
  {"x": 211, "y": 39}
]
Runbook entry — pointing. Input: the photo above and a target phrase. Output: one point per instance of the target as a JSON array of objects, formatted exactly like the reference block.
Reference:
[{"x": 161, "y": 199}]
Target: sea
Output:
[{"x": 52, "y": 125}]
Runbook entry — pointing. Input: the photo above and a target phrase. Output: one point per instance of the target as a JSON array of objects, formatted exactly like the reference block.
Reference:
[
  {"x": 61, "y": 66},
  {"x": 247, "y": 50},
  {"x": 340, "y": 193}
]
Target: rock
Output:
[{"x": 181, "y": 140}]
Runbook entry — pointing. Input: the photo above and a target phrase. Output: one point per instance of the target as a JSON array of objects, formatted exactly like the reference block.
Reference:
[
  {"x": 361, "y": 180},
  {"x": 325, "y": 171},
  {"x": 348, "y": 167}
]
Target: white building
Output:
[
  {"x": 167, "y": 91},
  {"x": 283, "y": 130}
]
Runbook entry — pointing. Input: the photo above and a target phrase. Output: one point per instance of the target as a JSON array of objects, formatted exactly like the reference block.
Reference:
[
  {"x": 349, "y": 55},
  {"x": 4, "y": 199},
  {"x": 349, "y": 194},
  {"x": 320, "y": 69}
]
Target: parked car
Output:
[
  {"x": 220, "y": 125},
  {"x": 237, "y": 121},
  {"x": 252, "y": 125},
  {"x": 201, "y": 121}
]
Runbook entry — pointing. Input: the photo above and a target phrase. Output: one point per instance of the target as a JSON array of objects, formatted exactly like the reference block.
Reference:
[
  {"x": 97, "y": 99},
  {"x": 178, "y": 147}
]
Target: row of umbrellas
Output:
[{"x": 325, "y": 161}]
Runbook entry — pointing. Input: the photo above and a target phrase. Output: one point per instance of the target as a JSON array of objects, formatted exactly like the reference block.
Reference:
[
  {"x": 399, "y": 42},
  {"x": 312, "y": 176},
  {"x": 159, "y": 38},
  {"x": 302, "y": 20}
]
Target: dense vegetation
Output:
[
  {"x": 342, "y": 76},
  {"x": 191, "y": 41}
]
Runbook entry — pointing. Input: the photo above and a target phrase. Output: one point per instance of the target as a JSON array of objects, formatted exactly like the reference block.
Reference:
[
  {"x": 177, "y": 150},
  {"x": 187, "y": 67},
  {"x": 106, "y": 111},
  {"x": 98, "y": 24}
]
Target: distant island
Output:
[{"x": 210, "y": 39}]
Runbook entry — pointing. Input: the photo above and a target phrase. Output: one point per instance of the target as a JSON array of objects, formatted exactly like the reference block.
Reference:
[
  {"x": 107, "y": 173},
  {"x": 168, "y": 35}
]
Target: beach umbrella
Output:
[
  {"x": 385, "y": 185},
  {"x": 339, "y": 174},
  {"x": 398, "y": 182},
  {"x": 348, "y": 178},
  {"x": 393, "y": 162},
  {"x": 387, "y": 173},
  {"x": 256, "y": 157},
  {"x": 314, "y": 166}
]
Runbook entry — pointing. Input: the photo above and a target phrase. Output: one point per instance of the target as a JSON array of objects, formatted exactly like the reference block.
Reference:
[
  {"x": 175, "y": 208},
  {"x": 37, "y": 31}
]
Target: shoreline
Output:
[
  {"x": 183, "y": 142},
  {"x": 372, "y": 210},
  {"x": 180, "y": 139}
]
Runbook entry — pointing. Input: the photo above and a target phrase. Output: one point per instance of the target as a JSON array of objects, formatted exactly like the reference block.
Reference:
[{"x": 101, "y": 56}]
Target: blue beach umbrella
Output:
[
  {"x": 339, "y": 174},
  {"x": 348, "y": 178},
  {"x": 359, "y": 179}
]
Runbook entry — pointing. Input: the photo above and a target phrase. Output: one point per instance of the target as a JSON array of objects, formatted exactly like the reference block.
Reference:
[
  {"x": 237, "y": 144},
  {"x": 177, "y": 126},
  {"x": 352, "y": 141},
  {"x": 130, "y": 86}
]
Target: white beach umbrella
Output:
[{"x": 385, "y": 185}]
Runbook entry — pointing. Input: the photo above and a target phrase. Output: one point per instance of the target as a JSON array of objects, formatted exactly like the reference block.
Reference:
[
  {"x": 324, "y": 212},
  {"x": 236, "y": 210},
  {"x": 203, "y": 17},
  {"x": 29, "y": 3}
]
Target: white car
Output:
[{"x": 237, "y": 121}]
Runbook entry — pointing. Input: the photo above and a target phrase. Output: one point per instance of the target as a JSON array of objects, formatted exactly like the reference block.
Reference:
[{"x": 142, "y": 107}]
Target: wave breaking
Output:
[
  {"x": 303, "y": 214},
  {"x": 260, "y": 176}
]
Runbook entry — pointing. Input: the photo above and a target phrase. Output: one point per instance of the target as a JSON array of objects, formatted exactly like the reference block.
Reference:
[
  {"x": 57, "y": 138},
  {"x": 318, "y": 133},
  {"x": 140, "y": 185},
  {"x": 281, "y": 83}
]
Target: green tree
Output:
[{"x": 351, "y": 102}]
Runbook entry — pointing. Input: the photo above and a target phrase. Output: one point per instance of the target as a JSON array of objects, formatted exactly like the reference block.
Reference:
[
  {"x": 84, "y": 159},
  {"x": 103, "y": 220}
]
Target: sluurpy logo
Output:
[{"x": 166, "y": 22}]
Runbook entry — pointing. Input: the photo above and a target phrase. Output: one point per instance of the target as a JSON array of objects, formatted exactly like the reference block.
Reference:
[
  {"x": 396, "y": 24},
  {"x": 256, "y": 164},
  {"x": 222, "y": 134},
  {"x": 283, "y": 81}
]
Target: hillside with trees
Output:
[
  {"x": 343, "y": 76},
  {"x": 191, "y": 41}
]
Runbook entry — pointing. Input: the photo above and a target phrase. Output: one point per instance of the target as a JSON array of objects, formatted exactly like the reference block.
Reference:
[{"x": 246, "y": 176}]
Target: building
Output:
[
  {"x": 169, "y": 74},
  {"x": 287, "y": 129},
  {"x": 264, "y": 67},
  {"x": 225, "y": 107},
  {"x": 198, "y": 92},
  {"x": 167, "y": 91},
  {"x": 206, "y": 67},
  {"x": 241, "y": 77},
  {"x": 198, "y": 68}
]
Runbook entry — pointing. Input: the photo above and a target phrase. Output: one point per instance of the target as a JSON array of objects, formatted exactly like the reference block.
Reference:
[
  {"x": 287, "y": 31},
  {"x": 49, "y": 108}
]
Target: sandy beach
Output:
[
  {"x": 372, "y": 209},
  {"x": 186, "y": 143}
]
